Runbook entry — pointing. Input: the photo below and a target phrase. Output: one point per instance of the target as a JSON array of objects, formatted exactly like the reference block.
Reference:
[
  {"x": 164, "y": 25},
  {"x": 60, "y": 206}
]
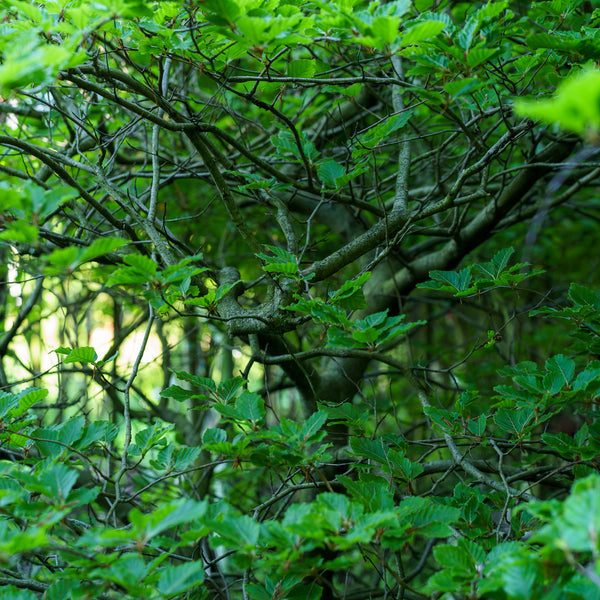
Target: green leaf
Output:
[
  {"x": 312, "y": 426},
  {"x": 457, "y": 559},
  {"x": 402, "y": 467},
  {"x": 55, "y": 481},
  {"x": 562, "y": 366},
  {"x": 449, "y": 281},
  {"x": 165, "y": 517},
  {"x": 477, "y": 426},
  {"x": 85, "y": 354},
  {"x": 11, "y": 592},
  {"x": 238, "y": 531},
  {"x": 301, "y": 68},
  {"x": 97, "y": 431},
  {"x": 20, "y": 232},
  {"x": 100, "y": 247},
  {"x": 282, "y": 261},
  {"x": 287, "y": 268},
  {"x": 385, "y": 29},
  {"x": 203, "y": 382},
  {"x": 150, "y": 436},
  {"x": 575, "y": 106},
  {"x": 582, "y": 296},
  {"x": 373, "y": 492},
  {"x": 365, "y": 336},
  {"x": 228, "y": 389},
  {"x": 371, "y": 449},
  {"x": 371, "y": 139},
  {"x": 178, "y": 393},
  {"x": 588, "y": 375},
  {"x": 28, "y": 61},
  {"x": 214, "y": 436},
  {"x": 329, "y": 171},
  {"x": 251, "y": 407},
  {"x": 478, "y": 56},
  {"x": 178, "y": 579},
  {"x": 140, "y": 269},
  {"x": 466, "y": 34},
  {"x": 422, "y": 31},
  {"x": 442, "y": 419},
  {"x": 286, "y": 143},
  {"x": 492, "y": 270},
  {"x": 60, "y": 589},
  {"x": 16, "y": 405},
  {"x": 184, "y": 269},
  {"x": 350, "y": 296},
  {"x": 562, "y": 443},
  {"x": 515, "y": 421},
  {"x": 320, "y": 311}
]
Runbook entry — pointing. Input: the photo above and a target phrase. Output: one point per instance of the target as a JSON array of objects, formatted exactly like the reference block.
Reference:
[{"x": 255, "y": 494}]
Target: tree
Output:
[{"x": 298, "y": 300}]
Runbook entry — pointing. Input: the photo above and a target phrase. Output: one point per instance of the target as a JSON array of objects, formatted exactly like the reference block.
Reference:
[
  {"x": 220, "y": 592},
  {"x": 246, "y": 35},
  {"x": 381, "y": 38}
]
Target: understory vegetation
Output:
[{"x": 299, "y": 300}]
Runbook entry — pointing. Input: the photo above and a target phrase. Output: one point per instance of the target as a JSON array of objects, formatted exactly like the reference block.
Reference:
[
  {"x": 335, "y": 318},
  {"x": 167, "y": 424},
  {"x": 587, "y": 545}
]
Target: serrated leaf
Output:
[
  {"x": 59, "y": 590},
  {"x": 228, "y": 389},
  {"x": 575, "y": 106},
  {"x": 477, "y": 426},
  {"x": 338, "y": 338},
  {"x": 97, "y": 431},
  {"x": 100, "y": 247},
  {"x": 371, "y": 449},
  {"x": 422, "y": 31},
  {"x": 214, "y": 435},
  {"x": 492, "y": 269},
  {"x": 285, "y": 142},
  {"x": 320, "y": 311},
  {"x": 443, "y": 419},
  {"x": 372, "y": 320},
  {"x": 141, "y": 263},
  {"x": 178, "y": 579},
  {"x": 365, "y": 336},
  {"x": 250, "y": 406},
  {"x": 204, "y": 382},
  {"x": 20, "y": 232},
  {"x": 553, "y": 383},
  {"x": 385, "y": 29},
  {"x": 183, "y": 510},
  {"x": 402, "y": 467},
  {"x": 312, "y": 426},
  {"x": 466, "y": 34},
  {"x": 451, "y": 281},
  {"x": 513, "y": 420},
  {"x": 563, "y": 366},
  {"x": 589, "y": 374},
  {"x": 455, "y": 558},
  {"x": 582, "y": 296},
  {"x": 287, "y": 268},
  {"x": 329, "y": 171},
  {"x": 560, "y": 442},
  {"x": 375, "y": 135},
  {"x": 85, "y": 354},
  {"x": 57, "y": 481},
  {"x": 481, "y": 55},
  {"x": 301, "y": 68},
  {"x": 26, "y": 399},
  {"x": 372, "y": 492},
  {"x": 180, "y": 271},
  {"x": 177, "y": 393},
  {"x": 150, "y": 436}
]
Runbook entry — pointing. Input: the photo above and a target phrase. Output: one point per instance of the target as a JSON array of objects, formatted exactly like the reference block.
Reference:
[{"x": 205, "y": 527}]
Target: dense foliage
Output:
[{"x": 299, "y": 300}]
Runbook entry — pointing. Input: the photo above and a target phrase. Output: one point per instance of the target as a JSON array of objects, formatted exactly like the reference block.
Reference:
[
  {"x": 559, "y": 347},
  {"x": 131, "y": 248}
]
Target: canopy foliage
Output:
[{"x": 299, "y": 300}]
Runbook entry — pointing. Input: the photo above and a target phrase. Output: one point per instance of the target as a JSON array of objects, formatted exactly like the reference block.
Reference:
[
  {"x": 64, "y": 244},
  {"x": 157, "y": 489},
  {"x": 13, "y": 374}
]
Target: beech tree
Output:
[{"x": 299, "y": 300}]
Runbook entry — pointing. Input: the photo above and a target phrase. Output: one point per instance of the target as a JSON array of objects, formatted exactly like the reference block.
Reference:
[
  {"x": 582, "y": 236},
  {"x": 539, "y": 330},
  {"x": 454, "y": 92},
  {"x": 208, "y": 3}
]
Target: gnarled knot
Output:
[{"x": 268, "y": 317}]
